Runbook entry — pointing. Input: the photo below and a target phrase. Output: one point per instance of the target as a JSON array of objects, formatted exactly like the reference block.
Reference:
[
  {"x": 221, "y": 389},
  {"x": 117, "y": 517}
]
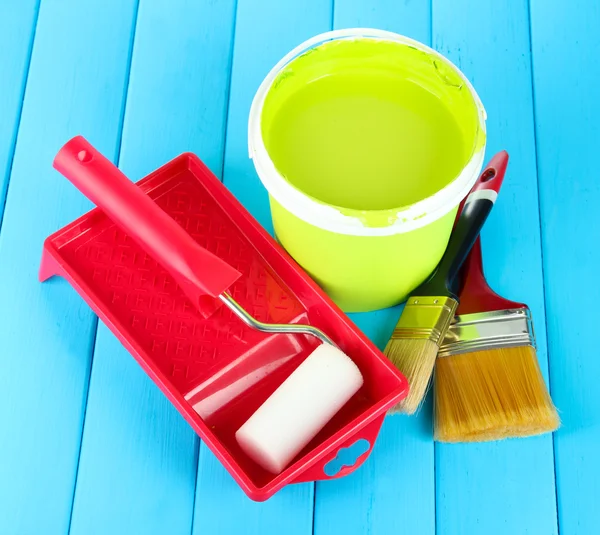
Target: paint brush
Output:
[
  {"x": 488, "y": 382},
  {"x": 429, "y": 310}
]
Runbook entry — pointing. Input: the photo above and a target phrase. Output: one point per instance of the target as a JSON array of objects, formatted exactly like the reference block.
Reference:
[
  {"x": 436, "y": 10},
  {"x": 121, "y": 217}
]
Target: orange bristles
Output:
[{"x": 490, "y": 395}]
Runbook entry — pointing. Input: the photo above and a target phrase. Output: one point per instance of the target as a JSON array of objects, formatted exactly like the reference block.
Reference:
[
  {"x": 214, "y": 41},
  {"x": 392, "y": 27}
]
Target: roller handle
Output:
[
  {"x": 475, "y": 210},
  {"x": 201, "y": 275}
]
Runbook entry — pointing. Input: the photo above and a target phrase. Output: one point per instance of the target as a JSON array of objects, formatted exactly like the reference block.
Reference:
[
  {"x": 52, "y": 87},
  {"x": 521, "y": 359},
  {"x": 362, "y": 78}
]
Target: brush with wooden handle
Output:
[
  {"x": 415, "y": 342},
  {"x": 488, "y": 382}
]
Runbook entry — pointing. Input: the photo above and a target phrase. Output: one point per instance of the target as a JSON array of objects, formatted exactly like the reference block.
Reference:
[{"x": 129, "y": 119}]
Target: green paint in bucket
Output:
[{"x": 367, "y": 142}]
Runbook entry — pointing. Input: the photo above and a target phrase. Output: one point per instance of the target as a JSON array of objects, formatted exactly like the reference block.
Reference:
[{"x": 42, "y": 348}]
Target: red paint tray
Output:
[{"x": 215, "y": 370}]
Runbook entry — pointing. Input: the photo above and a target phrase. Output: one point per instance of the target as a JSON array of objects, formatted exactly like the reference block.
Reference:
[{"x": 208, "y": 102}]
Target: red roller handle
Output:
[{"x": 202, "y": 275}]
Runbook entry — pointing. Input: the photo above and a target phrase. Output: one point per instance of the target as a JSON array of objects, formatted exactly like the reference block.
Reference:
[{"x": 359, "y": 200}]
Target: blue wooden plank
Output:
[
  {"x": 566, "y": 48},
  {"x": 265, "y": 31},
  {"x": 222, "y": 507},
  {"x": 393, "y": 492},
  {"x": 410, "y": 17},
  {"x": 17, "y": 29},
  {"x": 139, "y": 457},
  {"x": 503, "y": 487},
  {"x": 75, "y": 85}
]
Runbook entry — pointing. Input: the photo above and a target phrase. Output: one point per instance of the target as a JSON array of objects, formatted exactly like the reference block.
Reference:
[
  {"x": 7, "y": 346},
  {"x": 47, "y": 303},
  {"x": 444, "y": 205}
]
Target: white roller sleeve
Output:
[{"x": 290, "y": 418}]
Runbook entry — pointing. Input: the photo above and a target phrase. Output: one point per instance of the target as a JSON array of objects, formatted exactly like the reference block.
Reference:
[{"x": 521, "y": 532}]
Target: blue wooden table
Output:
[{"x": 88, "y": 444}]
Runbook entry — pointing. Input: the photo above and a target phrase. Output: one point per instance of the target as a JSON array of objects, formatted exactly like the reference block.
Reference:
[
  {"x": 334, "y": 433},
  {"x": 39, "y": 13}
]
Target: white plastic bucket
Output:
[{"x": 365, "y": 265}]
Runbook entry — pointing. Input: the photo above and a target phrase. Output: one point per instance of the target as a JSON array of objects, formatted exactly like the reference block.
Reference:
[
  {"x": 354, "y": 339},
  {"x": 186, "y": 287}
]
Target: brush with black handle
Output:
[{"x": 426, "y": 317}]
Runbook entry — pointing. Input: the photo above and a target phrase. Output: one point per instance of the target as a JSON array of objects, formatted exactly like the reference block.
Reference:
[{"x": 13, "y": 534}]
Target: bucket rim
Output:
[{"x": 341, "y": 220}]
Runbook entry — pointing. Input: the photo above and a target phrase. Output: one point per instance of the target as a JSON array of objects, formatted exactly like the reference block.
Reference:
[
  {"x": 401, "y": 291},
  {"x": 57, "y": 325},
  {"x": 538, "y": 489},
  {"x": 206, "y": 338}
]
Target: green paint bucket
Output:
[{"x": 366, "y": 141}]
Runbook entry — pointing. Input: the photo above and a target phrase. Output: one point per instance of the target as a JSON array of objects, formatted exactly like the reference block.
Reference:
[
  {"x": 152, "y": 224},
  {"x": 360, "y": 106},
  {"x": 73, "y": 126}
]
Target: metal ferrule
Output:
[
  {"x": 426, "y": 318},
  {"x": 488, "y": 330}
]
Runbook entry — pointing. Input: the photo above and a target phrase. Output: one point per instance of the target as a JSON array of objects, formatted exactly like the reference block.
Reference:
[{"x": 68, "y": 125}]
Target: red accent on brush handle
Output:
[
  {"x": 473, "y": 214},
  {"x": 495, "y": 168},
  {"x": 493, "y": 174},
  {"x": 476, "y": 294},
  {"x": 201, "y": 275}
]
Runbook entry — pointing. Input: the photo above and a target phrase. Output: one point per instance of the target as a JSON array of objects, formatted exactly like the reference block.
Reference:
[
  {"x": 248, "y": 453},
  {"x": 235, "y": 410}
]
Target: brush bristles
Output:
[
  {"x": 415, "y": 359},
  {"x": 491, "y": 395}
]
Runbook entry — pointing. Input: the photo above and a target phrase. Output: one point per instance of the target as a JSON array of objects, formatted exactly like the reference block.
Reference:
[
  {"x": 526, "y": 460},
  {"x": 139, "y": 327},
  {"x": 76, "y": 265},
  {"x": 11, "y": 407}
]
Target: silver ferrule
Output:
[{"x": 488, "y": 330}]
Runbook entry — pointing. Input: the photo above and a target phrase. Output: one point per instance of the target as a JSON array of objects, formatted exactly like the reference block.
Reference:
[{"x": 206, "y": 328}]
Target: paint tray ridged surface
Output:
[{"x": 215, "y": 370}]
